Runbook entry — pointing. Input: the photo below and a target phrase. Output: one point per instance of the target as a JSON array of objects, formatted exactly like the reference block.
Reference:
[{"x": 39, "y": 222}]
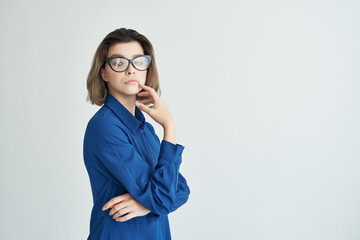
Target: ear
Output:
[{"x": 103, "y": 74}]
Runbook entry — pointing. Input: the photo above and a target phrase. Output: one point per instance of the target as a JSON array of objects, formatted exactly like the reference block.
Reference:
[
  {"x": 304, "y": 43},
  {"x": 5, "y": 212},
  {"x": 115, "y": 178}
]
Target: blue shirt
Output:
[{"x": 122, "y": 154}]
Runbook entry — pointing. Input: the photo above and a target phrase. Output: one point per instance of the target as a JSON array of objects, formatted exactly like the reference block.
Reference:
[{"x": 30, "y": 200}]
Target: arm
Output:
[
  {"x": 183, "y": 191},
  {"x": 157, "y": 189}
]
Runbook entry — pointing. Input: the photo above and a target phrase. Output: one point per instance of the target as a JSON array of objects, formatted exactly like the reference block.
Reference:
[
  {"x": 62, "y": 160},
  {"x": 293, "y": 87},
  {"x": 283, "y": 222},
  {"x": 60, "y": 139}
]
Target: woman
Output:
[{"x": 135, "y": 178}]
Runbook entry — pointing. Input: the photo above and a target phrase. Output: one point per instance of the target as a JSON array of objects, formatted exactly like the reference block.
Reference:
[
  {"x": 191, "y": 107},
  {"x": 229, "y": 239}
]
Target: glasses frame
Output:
[{"x": 129, "y": 61}]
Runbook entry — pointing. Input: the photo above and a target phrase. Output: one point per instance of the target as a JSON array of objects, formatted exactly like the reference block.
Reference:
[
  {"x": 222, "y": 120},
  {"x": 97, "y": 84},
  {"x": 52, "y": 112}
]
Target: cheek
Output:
[
  {"x": 113, "y": 76},
  {"x": 143, "y": 77}
]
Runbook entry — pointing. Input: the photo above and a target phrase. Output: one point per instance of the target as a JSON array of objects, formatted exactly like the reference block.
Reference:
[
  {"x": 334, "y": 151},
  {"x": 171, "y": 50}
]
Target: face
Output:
[{"x": 117, "y": 80}]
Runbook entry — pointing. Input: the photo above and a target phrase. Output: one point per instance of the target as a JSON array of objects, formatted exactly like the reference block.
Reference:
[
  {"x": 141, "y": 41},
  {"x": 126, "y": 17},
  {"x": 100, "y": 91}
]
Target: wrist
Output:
[
  {"x": 170, "y": 124},
  {"x": 170, "y": 132}
]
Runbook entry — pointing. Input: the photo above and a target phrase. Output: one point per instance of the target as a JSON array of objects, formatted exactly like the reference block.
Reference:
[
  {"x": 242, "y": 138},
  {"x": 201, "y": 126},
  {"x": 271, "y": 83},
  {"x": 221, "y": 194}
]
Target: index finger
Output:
[
  {"x": 113, "y": 201},
  {"x": 150, "y": 89}
]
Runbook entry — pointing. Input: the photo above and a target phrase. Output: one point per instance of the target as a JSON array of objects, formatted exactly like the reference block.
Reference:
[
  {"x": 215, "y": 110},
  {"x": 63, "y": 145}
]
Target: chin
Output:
[{"x": 131, "y": 93}]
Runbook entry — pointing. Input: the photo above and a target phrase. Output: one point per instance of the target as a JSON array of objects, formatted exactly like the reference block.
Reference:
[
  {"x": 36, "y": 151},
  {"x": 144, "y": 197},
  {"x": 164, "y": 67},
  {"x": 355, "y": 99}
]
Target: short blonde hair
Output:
[{"x": 96, "y": 86}]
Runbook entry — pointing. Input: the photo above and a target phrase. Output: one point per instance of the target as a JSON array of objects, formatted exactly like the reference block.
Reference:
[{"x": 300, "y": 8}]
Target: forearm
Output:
[{"x": 170, "y": 132}]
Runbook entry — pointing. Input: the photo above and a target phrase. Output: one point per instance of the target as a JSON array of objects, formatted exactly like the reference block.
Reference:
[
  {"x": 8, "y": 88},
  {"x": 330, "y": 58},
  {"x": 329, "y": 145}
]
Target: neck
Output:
[{"x": 127, "y": 101}]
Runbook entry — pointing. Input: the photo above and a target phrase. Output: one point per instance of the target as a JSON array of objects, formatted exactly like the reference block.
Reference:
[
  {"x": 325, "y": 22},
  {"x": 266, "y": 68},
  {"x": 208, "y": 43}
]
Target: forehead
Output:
[{"x": 128, "y": 49}]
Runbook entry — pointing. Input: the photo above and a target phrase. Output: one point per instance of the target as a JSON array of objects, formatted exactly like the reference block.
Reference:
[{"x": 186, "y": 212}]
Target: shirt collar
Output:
[{"x": 131, "y": 121}]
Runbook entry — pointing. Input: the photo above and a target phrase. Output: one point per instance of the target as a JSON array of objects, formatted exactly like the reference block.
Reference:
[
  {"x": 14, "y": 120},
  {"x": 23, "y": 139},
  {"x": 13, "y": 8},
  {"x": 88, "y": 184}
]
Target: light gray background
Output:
[{"x": 265, "y": 95}]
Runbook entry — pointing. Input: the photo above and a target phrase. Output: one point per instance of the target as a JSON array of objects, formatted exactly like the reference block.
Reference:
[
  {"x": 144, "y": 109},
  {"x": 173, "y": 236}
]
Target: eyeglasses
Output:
[{"x": 120, "y": 64}]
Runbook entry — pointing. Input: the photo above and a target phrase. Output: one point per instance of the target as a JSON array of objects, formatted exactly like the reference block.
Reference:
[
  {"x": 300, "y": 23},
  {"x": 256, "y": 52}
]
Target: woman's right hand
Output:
[{"x": 158, "y": 111}]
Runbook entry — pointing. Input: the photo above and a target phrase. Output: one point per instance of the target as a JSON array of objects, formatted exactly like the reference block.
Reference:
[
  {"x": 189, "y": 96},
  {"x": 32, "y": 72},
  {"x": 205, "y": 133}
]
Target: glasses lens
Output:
[
  {"x": 141, "y": 63},
  {"x": 119, "y": 64}
]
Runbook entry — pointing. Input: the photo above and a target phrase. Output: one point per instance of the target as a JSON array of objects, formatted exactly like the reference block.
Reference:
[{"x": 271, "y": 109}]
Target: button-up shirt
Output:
[{"x": 122, "y": 154}]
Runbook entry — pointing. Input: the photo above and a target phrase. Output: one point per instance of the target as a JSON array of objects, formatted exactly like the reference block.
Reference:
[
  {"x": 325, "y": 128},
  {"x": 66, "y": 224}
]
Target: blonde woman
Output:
[{"x": 135, "y": 178}]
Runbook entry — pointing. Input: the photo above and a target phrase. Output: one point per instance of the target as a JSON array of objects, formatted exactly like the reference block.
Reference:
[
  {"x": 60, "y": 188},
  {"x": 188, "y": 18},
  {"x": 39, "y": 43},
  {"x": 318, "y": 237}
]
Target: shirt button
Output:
[{"x": 151, "y": 146}]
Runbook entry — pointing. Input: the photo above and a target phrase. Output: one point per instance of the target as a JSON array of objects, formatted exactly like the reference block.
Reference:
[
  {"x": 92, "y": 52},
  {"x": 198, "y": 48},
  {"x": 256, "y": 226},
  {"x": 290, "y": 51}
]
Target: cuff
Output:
[{"x": 170, "y": 151}]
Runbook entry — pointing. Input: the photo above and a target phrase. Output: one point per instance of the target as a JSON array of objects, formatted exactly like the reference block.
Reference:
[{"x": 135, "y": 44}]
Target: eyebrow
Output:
[{"x": 119, "y": 55}]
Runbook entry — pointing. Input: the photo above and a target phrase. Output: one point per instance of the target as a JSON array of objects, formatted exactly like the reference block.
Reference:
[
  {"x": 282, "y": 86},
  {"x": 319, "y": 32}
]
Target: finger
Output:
[
  {"x": 149, "y": 89},
  {"x": 118, "y": 207},
  {"x": 114, "y": 201},
  {"x": 146, "y": 101},
  {"x": 150, "y": 105},
  {"x": 113, "y": 205},
  {"x": 145, "y": 94},
  {"x": 143, "y": 86},
  {"x": 122, "y": 211},
  {"x": 143, "y": 107},
  {"x": 121, "y": 205},
  {"x": 127, "y": 217}
]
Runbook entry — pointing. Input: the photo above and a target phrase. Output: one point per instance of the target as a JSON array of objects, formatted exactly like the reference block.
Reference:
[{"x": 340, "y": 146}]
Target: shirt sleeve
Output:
[
  {"x": 157, "y": 189},
  {"x": 183, "y": 190}
]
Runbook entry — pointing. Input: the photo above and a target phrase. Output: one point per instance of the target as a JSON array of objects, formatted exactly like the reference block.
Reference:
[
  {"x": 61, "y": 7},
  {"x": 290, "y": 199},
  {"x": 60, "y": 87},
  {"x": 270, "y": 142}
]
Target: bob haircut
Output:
[{"x": 96, "y": 86}]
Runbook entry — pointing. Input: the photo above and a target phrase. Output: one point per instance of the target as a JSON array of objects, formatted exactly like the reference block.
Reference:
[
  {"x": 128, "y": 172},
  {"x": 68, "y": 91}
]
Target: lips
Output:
[{"x": 131, "y": 81}]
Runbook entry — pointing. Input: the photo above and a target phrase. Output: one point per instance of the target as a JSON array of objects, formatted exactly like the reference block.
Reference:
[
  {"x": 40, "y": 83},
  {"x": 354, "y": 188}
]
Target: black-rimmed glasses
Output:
[{"x": 120, "y": 64}]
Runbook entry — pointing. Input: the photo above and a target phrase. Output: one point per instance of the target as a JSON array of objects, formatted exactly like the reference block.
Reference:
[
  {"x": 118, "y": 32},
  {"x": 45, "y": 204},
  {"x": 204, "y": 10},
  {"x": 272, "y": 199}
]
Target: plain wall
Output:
[{"x": 265, "y": 95}]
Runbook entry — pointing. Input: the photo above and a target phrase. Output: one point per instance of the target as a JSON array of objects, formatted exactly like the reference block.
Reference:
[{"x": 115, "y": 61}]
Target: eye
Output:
[
  {"x": 140, "y": 62},
  {"x": 117, "y": 62}
]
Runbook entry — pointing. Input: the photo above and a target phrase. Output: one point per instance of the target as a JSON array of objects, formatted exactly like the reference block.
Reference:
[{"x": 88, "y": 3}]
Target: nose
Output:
[{"x": 130, "y": 69}]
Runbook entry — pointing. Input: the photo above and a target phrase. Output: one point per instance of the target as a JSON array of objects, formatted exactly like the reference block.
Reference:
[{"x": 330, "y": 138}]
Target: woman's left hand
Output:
[{"x": 123, "y": 204}]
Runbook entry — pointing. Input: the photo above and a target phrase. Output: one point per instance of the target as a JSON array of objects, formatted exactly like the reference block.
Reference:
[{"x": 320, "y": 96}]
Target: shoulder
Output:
[
  {"x": 149, "y": 126},
  {"x": 104, "y": 119},
  {"x": 105, "y": 127}
]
